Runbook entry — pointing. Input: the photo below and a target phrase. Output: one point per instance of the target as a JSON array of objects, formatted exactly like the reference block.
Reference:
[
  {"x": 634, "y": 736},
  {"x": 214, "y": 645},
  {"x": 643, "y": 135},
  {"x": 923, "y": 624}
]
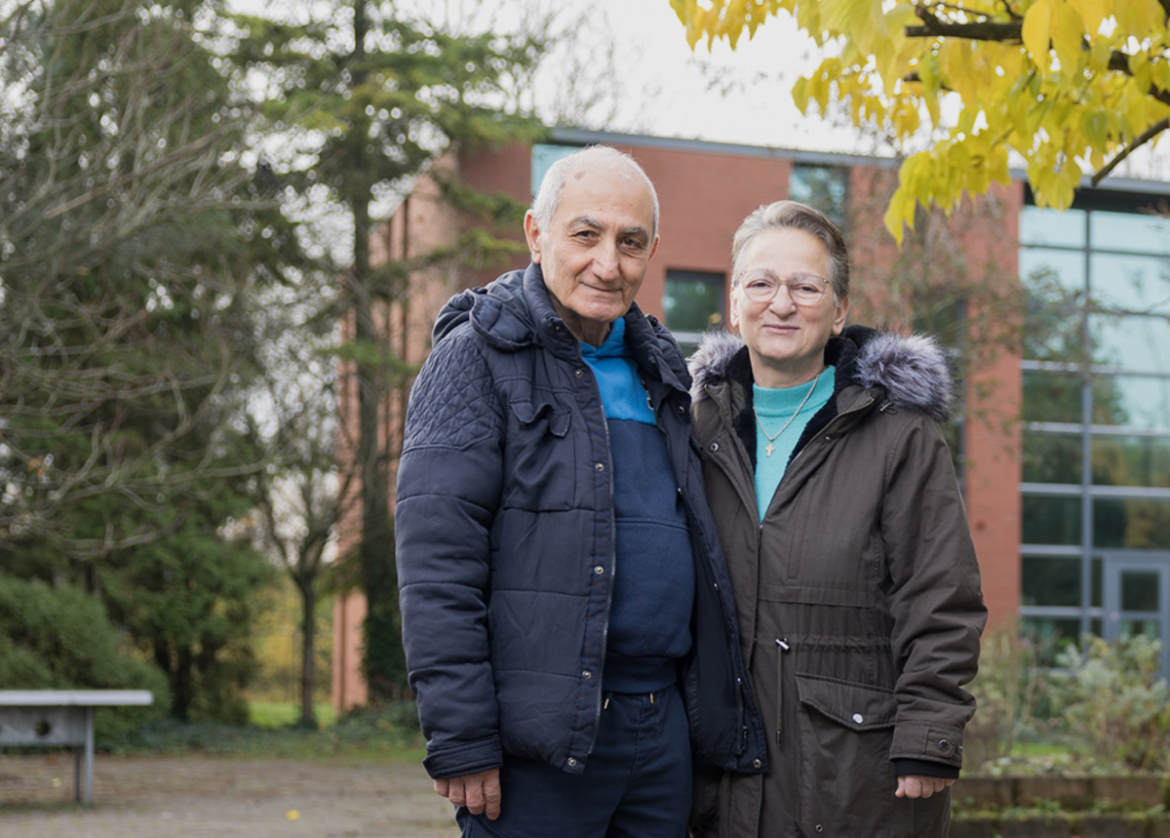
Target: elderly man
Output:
[{"x": 566, "y": 608}]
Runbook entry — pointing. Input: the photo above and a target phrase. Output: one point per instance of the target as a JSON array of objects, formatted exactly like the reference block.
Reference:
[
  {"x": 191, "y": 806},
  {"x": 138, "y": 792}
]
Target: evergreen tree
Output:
[
  {"x": 131, "y": 243},
  {"x": 364, "y": 101}
]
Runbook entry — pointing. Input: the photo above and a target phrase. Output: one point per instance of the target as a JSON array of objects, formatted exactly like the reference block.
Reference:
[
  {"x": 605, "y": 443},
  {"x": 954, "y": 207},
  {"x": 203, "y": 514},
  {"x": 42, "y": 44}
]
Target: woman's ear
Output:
[{"x": 840, "y": 316}]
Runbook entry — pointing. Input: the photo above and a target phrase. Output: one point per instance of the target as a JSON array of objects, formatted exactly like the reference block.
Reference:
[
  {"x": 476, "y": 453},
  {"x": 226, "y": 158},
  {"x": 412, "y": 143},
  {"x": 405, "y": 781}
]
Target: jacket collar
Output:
[
  {"x": 904, "y": 371},
  {"x": 912, "y": 370},
  {"x": 516, "y": 311}
]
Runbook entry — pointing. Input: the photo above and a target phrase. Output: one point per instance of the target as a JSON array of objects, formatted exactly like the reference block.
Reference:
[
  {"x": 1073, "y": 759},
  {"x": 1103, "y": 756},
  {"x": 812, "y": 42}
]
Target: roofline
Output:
[{"x": 579, "y": 136}]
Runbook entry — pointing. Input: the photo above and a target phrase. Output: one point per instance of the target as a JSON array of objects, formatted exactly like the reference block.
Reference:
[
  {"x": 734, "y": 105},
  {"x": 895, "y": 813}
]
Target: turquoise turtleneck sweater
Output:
[{"x": 775, "y": 407}]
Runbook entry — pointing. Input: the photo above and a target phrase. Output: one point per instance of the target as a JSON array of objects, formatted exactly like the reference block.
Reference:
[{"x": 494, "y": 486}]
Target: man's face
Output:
[{"x": 595, "y": 253}]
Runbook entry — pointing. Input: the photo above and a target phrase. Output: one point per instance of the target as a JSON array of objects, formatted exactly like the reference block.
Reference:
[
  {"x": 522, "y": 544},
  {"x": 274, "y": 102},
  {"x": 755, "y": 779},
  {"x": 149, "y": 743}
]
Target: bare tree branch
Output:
[{"x": 1139, "y": 141}]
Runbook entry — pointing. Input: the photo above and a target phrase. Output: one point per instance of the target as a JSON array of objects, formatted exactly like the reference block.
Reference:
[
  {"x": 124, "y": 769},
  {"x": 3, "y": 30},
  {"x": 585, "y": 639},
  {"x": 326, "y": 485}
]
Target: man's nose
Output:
[{"x": 606, "y": 259}]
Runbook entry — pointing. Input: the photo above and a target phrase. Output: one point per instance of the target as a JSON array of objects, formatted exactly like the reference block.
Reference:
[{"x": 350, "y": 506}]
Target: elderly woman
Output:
[{"x": 851, "y": 560}]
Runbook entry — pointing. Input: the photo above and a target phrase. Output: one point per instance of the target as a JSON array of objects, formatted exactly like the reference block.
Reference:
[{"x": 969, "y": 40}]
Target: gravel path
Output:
[{"x": 201, "y": 797}]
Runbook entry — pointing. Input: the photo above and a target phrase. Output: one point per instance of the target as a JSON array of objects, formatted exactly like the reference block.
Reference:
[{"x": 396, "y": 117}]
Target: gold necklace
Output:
[{"x": 772, "y": 439}]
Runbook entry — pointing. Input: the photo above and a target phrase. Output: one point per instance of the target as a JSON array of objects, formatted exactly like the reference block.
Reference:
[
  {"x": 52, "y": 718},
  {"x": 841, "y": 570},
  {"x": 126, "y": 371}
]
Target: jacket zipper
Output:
[
  {"x": 781, "y": 647},
  {"x": 836, "y": 420},
  {"x": 612, "y": 560}
]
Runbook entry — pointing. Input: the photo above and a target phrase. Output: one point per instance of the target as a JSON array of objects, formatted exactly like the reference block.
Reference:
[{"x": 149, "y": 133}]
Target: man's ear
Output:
[{"x": 532, "y": 235}]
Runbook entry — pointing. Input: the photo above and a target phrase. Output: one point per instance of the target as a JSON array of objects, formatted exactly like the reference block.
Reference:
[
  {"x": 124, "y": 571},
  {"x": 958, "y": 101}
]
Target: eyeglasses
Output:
[{"x": 804, "y": 289}]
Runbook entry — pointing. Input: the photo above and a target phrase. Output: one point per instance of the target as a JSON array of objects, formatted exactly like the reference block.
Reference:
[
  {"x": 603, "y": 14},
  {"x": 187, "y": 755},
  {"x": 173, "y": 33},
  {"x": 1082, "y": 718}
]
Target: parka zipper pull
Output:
[{"x": 781, "y": 647}]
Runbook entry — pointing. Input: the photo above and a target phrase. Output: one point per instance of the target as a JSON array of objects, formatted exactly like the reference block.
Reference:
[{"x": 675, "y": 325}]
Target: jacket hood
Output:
[
  {"x": 912, "y": 369},
  {"x": 499, "y": 312}
]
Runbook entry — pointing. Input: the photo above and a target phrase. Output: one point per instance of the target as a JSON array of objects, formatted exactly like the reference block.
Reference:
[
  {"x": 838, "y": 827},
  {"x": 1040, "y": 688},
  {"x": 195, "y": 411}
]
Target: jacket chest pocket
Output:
[
  {"x": 829, "y": 542},
  {"x": 539, "y": 456}
]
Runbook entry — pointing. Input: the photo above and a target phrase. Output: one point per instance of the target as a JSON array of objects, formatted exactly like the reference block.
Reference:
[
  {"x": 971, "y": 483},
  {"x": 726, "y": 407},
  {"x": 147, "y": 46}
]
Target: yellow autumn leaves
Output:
[{"x": 1067, "y": 85}]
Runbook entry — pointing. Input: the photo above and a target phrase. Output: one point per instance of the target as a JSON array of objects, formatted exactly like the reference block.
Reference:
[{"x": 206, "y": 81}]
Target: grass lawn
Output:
[
  {"x": 270, "y": 714},
  {"x": 271, "y": 732}
]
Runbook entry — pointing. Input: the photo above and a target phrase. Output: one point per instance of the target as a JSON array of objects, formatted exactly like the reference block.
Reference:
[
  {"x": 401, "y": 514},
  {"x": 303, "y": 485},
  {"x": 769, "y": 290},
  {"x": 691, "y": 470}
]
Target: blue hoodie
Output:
[{"x": 654, "y": 576}]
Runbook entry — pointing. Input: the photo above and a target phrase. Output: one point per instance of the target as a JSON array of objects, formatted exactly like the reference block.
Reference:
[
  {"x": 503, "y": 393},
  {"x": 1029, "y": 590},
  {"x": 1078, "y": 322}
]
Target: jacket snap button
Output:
[
  {"x": 858, "y": 718},
  {"x": 601, "y": 466},
  {"x": 572, "y": 761},
  {"x": 756, "y": 763},
  {"x": 820, "y": 828},
  {"x": 681, "y": 409},
  {"x": 586, "y": 674},
  {"x": 944, "y": 744},
  {"x": 714, "y": 446},
  {"x": 580, "y": 373},
  {"x": 599, "y": 570}
]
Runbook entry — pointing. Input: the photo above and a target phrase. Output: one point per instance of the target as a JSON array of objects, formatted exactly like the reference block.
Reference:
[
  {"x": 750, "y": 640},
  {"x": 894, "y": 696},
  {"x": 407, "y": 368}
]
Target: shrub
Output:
[
  {"x": 1110, "y": 695},
  {"x": 1008, "y": 690},
  {"x": 59, "y": 637}
]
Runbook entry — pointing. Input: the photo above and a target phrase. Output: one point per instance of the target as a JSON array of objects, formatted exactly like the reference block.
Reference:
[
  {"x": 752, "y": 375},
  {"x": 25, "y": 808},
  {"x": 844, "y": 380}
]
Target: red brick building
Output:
[{"x": 1063, "y": 445}]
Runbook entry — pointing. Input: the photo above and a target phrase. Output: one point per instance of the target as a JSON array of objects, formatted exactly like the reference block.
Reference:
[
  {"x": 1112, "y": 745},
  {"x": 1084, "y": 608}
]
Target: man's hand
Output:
[
  {"x": 913, "y": 785},
  {"x": 480, "y": 793}
]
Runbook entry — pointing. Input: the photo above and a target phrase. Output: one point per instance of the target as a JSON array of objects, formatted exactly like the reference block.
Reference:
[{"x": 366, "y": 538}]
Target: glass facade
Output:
[{"x": 1095, "y": 499}]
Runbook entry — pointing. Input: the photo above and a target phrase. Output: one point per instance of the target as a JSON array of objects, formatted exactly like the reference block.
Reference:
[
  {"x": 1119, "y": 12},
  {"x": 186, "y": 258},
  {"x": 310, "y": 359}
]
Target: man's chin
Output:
[{"x": 605, "y": 312}]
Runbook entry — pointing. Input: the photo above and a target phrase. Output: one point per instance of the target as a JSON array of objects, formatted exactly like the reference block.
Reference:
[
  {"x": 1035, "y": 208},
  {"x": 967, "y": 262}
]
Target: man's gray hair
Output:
[
  {"x": 548, "y": 197},
  {"x": 791, "y": 215}
]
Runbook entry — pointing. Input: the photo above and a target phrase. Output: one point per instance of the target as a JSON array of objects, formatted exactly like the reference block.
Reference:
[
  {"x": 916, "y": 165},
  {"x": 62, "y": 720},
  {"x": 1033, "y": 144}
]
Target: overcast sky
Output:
[
  {"x": 665, "y": 89},
  {"x": 634, "y": 55},
  {"x": 742, "y": 96}
]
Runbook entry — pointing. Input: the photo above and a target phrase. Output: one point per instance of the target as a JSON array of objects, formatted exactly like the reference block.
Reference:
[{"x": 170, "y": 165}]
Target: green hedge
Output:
[{"x": 59, "y": 637}]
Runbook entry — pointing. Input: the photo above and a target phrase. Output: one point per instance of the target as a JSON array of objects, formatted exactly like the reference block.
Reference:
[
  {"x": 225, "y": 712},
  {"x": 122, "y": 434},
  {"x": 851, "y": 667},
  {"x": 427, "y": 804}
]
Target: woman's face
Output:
[{"x": 786, "y": 340}]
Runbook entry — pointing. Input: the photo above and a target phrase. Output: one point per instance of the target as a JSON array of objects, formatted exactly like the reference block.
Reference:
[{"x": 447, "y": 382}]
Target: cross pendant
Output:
[{"x": 769, "y": 449}]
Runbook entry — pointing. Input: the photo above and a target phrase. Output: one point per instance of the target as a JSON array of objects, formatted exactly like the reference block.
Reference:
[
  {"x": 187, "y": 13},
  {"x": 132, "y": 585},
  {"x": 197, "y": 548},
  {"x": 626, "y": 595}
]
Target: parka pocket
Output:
[
  {"x": 846, "y": 779},
  {"x": 541, "y": 416},
  {"x": 539, "y": 457}
]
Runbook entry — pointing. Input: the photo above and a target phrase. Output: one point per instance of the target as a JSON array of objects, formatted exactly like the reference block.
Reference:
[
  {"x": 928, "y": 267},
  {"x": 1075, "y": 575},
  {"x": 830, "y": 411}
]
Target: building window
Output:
[
  {"x": 1095, "y": 495},
  {"x": 694, "y": 303},
  {"x": 822, "y": 187},
  {"x": 543, "y": 156}
]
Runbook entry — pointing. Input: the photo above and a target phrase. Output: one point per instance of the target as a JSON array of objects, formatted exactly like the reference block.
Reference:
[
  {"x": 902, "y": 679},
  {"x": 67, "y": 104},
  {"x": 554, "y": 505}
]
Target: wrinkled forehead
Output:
[
  {"x": 784, "y": 251},
  {"x": 608, "y": 193}
]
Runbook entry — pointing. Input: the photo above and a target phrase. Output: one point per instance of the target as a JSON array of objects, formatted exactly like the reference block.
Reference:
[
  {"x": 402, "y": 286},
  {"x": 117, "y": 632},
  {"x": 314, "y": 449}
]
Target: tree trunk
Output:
[
  {"x": 181, "y": 685},
  {"x": 383, "y": 659},
  {"x": 308, "y": 635}
]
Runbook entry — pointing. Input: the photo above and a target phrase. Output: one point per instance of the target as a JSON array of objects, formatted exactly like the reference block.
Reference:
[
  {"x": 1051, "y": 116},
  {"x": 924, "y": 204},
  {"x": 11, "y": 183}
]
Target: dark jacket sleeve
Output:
[
  {"x": 449, "y": 480},
  {"x": 935, "y": 597}
]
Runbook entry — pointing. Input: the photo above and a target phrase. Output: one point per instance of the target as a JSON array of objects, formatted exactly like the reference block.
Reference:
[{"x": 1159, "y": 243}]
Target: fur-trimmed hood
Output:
[{"x": 913, "y": 369}]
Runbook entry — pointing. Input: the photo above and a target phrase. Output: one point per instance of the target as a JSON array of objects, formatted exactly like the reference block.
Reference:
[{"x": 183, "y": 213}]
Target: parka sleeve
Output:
[
  {"x": 449, "y": 484},
  {"x": 934, "y": 598}
]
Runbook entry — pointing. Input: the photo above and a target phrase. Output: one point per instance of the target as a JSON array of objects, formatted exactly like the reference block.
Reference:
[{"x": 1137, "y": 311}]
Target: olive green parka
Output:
[{"x": 858, "y": 596}]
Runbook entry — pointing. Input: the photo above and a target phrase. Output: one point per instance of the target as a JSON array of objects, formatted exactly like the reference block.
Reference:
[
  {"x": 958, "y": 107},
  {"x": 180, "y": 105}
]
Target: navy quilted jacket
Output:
[{"x": 505, "y": 534}]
